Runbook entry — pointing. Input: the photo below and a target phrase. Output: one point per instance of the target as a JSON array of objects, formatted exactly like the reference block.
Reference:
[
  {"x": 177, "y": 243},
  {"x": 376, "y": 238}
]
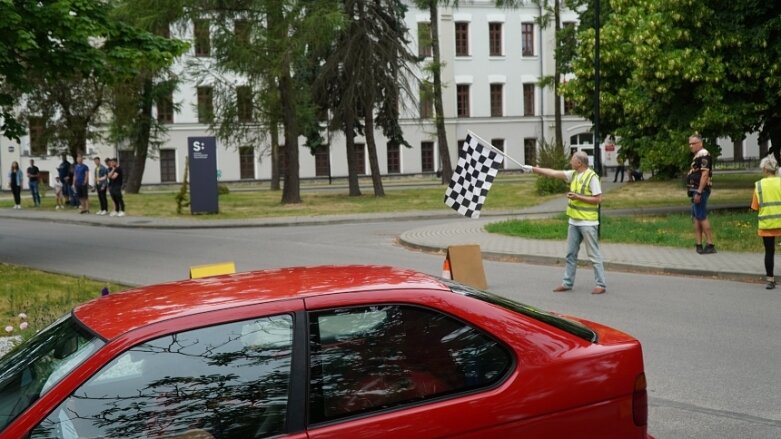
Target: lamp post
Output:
[{"x": 597, "y": 151}]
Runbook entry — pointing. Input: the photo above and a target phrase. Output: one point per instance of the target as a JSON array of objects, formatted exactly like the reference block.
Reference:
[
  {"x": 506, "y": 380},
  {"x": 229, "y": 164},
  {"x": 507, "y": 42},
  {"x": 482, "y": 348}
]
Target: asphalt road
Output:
[{"x": 712, "y": 348}]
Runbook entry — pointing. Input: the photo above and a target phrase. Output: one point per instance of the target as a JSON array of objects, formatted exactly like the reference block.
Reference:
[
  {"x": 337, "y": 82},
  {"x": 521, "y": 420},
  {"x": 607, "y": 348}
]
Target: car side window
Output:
[
  {"x": 219, "y": 382},
  {"x": 371, "y": 358}
]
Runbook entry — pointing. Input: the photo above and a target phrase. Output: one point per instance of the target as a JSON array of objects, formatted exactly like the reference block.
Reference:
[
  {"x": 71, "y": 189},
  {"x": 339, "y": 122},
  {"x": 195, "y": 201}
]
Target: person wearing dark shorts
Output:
[
  {"x": 698, "y": 183},
  {"x": 81, "y": 183}
]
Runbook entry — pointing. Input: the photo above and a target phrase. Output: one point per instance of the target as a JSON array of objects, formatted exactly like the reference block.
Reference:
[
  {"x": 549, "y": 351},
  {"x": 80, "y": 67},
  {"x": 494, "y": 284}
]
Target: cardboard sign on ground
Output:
[{"x": 466, "y": 265}]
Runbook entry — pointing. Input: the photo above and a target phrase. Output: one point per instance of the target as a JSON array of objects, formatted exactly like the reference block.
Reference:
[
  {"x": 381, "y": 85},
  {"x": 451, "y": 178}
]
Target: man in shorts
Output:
[{"x": 698, "y": 183}]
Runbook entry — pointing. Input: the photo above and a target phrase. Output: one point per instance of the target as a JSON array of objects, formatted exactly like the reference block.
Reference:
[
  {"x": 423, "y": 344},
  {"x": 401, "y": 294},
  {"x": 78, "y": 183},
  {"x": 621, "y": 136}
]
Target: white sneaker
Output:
[
  {"x": 103, "y": 212},
  {"x": 121, "y": 213},
  {"x": 113, "y": 213}
]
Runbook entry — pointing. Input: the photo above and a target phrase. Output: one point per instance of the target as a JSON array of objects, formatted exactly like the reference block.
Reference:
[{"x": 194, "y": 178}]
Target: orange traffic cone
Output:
[{"x": 446, "y": 269}]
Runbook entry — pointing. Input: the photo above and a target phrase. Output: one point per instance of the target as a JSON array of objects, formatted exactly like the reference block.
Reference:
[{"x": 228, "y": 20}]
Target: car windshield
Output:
[
  {"x": 573, "y": 327},
  {"x": 36, "y": 365}
]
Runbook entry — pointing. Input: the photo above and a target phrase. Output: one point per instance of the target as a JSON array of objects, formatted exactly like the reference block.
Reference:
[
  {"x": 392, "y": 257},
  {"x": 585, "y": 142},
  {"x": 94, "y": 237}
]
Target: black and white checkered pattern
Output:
[{"x": 472, "y": 178}]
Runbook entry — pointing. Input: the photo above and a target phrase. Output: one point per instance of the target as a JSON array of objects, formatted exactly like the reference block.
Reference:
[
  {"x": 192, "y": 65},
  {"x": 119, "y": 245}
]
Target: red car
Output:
[{"x": 323, "y": 352}]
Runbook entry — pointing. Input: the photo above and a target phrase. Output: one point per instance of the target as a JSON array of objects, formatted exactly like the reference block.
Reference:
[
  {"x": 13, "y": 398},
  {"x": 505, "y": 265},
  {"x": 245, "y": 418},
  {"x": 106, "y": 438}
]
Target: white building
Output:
[{"x": 493, "y": 61}]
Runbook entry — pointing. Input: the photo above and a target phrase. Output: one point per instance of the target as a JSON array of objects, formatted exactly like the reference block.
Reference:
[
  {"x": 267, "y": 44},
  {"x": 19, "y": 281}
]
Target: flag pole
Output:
[{"x": 494, "y": 148}]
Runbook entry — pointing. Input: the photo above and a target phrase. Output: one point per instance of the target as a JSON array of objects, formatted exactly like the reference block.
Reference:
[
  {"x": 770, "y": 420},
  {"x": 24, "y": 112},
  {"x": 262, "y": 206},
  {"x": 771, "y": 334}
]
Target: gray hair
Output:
[
  {"x": 582, "y": 157},
  {"x": 769, "y": 164}
]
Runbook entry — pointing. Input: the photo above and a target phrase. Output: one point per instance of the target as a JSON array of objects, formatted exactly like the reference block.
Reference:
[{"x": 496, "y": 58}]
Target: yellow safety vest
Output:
[
  {"x": 768, "y": 192},
  {"x": 580, "y": 210}
]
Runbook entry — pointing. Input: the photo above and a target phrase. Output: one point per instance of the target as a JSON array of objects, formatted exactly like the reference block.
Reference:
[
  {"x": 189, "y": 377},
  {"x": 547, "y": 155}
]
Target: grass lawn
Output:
[
  {"x": 732, "y": 231},
  {"x": 509, "y": 192},
  {"x": 42, "y": 296},
  {"x": 729, "y": 188}
]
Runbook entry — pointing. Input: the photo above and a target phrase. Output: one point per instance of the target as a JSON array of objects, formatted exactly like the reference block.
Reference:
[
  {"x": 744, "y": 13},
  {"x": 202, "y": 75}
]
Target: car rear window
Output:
[
  {"x": 366, "y": 359},
  {"x": 575, "y": 328}
]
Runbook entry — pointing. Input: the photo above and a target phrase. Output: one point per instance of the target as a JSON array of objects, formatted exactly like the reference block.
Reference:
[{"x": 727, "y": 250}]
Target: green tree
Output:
[
  {"x": 675, "y": 67},
  {"x": 273, "y": 55},
  {"x": 42, "y": 40},
  {"x": 61, "y": 54},
  {"x": 153, "y": 83},
  {"x": 71, "y": 102},
  {"x": 365, "y": 71},
  {"x": 435, "y": 70}
]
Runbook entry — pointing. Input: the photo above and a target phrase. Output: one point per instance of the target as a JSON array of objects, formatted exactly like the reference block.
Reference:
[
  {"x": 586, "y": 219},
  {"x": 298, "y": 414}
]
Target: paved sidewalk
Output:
[{"x": 455, "y": 230}]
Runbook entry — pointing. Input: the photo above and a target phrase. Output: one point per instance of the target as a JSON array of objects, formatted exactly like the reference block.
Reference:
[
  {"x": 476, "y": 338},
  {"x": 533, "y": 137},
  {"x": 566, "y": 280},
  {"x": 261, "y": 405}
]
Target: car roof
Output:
[{"x": 113, "y": 315}]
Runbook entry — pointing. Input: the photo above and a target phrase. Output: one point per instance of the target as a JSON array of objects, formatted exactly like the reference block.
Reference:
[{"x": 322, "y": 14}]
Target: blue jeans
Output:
[
  {"x": 34, "y": 192},
  {"x": 576, "y": 235}
]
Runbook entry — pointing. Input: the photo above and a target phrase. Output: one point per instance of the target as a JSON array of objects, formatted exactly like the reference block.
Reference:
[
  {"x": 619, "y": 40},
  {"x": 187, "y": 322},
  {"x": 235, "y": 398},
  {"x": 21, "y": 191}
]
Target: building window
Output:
[
  {"x": 427, "y": 156},
  {"x": 528, "y": 99},
  {"x": 247, "y": 163},
  {"x": 205, "y": 104},
  {"x": 527, "y": 39},
  {"x": 360, "y": 158},
  {"x": 241, "y": 31},
  {"x": 394, "y": 158},
  {"x": 426, "y": 102},
  {"x": 165, "y": 108},
  {"x": 202, "y": 37},
  {"x": 167, "y": 165},
  {"x": 495, "y": 39},
  {"x": 424, "y": 39},
  {"x": 499, "y": 144},
  {"x": 244, "y": 103},
  {"x": 582, "y": 139},
  {"x": 322, "y": 162},
  {"x": 462, "y": 100},
  {"x": 530, "y": 150},
  {"x": 462, "y": 38},
  {"x": 37, "y": 126},
  {"x": 496, "y": 100}
]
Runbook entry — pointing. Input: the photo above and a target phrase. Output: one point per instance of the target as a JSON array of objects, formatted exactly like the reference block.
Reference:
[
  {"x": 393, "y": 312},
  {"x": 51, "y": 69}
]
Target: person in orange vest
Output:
[
  {"x": 767, "y": 202},
  {"x": 584, "y": 197}
]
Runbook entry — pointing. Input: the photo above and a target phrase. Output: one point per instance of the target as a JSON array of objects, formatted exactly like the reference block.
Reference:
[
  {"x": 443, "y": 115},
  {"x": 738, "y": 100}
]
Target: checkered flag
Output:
[{"x": 473, "y": 176}]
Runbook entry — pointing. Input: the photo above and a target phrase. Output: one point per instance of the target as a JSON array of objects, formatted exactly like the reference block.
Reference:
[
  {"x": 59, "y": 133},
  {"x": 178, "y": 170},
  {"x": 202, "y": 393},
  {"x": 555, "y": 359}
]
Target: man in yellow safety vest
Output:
[{"x": 584, "y": 197}]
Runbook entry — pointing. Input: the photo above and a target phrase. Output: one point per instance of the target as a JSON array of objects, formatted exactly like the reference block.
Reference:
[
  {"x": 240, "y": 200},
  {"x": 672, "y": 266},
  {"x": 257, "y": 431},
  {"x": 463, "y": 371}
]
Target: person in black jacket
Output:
[{"x": 115, "y": 178}]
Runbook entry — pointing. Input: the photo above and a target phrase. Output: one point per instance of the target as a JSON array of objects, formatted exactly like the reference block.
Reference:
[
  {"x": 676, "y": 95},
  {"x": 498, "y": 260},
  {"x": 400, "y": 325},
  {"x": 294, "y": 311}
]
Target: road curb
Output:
[{"x": 612, "y": 266}]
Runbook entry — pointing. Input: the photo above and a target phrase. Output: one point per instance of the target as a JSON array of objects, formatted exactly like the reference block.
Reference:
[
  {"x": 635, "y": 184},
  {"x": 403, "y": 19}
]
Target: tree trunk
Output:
[
  {"x": 275, "y": 156},
  {"x": 371, "y": 147},
  {"x": 77, "y": 143},
  {"x": 439, "y": 118},
  {"x": 141, "y": 140},
  {"x": 291, "y": 193},
  {"x": 557, "y": 76},
  {"x": 352, "y": 175}
]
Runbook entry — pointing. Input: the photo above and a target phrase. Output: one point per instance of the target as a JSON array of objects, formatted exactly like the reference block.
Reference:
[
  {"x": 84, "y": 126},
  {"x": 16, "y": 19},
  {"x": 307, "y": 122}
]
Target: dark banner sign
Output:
[{"x": 202, "y": 152}]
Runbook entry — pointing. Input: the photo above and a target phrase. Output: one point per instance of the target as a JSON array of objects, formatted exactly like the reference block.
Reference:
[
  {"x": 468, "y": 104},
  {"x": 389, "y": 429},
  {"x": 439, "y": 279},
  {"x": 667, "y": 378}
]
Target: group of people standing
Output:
[
  {"x": 585, "y": 196},
  {"x": 72, "y": 185}
]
